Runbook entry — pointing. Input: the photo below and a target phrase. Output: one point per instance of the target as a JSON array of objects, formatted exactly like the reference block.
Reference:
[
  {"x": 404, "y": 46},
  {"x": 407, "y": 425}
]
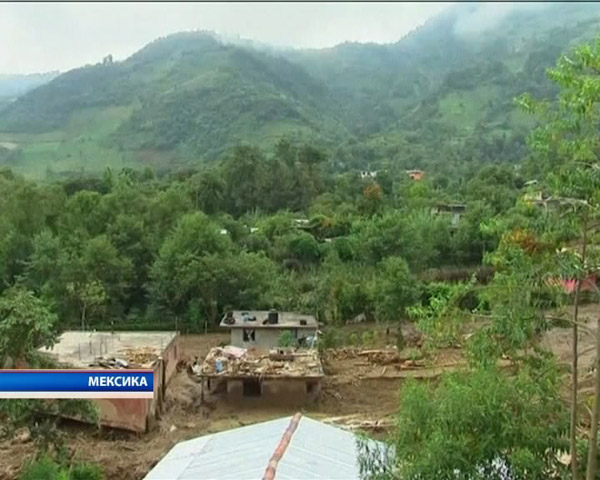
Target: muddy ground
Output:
[
  {"x": 127, "y": 456},
  {"x": 355, "y": 384}
]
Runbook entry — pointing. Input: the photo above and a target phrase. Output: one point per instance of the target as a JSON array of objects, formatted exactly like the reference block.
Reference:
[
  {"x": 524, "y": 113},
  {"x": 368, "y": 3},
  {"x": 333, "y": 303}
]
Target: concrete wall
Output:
[
  {"x": 136, "y": 414},
  {"x": 126, "y": 413},
  {"x": 286, "y": 391},
  {"x": 266, "y": 338}
]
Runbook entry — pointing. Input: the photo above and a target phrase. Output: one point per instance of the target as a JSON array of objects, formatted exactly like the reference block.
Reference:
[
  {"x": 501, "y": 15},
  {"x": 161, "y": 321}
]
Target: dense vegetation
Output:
[
  {"x": 256, "y": 230},
  {"x": 440, "y": 99},
  {"x": 486, "y": 423},
  {"x": 292, "y": 225}
]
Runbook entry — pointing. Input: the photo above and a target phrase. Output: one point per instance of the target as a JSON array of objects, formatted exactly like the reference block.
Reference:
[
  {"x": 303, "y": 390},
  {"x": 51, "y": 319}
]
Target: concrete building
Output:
[
  {"x": 262, "y": 329},
  {"x": 280, "y": 376},
  {"x": 159, "y": 351},
  {"x": 452, "y": 210},
  {"x": 287, "y": 448}
]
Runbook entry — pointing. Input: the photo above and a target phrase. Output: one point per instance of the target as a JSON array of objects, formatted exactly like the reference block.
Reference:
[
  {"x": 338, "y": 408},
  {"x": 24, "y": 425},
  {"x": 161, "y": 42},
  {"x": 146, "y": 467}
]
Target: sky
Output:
[{"x": 40, "y": 37}]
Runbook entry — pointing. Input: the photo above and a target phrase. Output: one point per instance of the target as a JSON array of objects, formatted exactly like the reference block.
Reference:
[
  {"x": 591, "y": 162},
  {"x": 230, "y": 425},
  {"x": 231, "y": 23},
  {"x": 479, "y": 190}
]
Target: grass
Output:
[
  {"x": 466, "y": 110},
  {"x": 83, "y": 146}
]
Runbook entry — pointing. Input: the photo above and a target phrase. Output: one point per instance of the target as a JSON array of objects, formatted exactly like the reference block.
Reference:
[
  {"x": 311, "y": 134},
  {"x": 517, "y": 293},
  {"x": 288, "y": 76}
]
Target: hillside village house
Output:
[
  {"x": 262, "y": 329},
  {"x": 415, "y": 174},
  {"x": 254, "y": 365},
  {"x": 453, "y": 210},
  {"x": 368, "y": 174}
]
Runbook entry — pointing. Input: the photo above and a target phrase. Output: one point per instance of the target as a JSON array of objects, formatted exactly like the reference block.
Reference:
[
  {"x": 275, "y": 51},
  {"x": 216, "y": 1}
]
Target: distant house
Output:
[
  {"x": 262, "y": 329},
  {"x": 366, "y": 174},
  {"x": 415, "y": 174},
  {"x": 452, "y": 210},
  {"x": 301, "y": 222},
  {"x": 292, "y": 448}
]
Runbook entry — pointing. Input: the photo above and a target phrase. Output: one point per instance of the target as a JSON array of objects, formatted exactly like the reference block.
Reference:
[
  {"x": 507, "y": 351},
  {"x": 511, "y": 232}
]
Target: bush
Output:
[
  {"x": 86, "y": 471},
  {"x": 42, "y": 469},
  {"x": 330, "y": 339},
  {"x": 45, "y": 468},
  {"x": 286, "y": 339},
  {"x": 354, "y": 339},
  {"x": 367, "y": 338}
]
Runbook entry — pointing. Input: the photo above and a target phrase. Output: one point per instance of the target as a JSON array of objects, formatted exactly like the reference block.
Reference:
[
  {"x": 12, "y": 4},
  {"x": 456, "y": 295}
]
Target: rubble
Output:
[
  {"x": 129, "y": 358},
  {"x": 233, "y": 361}
]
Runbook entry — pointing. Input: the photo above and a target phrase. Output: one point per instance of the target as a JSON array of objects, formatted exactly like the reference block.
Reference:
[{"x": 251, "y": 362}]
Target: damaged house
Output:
[
  {"x": 255, "y": 365},
  {"x": 159, "y": 351}
]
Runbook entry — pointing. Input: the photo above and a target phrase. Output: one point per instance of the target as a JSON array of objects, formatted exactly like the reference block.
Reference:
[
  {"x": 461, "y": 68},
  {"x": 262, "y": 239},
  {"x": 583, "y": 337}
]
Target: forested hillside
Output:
[
  {"x": 12, "y": 86},
  {"x": 444, "y": 92}
]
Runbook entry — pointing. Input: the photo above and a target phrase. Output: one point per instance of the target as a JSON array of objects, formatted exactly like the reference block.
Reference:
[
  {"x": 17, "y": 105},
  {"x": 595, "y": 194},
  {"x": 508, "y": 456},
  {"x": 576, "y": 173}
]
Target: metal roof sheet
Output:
[{"x": 316, "y": 451}]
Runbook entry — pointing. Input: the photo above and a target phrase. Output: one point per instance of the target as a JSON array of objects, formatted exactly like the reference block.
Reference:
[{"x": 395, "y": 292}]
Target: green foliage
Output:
[
  {"x": 286, "y": 339},
  {"x": 442, "y": 318},
  {"x": 44, "y": 468},
  {"x": 513, "y": 426},
  {"x": 26, "y": 324},
  {"x": 435, "y": 100},
  {"x": 331, "y": 338},
  {"x": 85, "y": 471},
  {"x": 393, "y": 289}
]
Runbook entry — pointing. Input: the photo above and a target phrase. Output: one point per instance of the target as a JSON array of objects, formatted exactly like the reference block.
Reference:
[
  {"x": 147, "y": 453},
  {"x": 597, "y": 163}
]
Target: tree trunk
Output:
[
  {"x": 83, "y": 318},
  {"x": 574, "y": 365},
  {"x": 593, "y": 446},
  {"x": 400, "y": 338}
]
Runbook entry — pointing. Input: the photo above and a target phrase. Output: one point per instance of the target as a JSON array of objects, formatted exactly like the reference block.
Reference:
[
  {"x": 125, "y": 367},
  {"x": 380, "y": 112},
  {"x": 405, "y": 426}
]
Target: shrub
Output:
[
  {"x": 86, "y": 471},
  {"x": 286, "y": 339},
  {"x": 330, "y": 339}
]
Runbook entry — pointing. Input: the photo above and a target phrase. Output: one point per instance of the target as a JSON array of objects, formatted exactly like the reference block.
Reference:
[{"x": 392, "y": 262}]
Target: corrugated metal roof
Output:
[{"x": 316, "y": 451}]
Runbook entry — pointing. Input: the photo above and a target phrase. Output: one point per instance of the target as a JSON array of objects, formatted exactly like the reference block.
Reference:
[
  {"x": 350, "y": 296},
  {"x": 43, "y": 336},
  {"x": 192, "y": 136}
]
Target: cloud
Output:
[
  {"x": 47, "y": 36},
  {"x": 478, "y": 18}
]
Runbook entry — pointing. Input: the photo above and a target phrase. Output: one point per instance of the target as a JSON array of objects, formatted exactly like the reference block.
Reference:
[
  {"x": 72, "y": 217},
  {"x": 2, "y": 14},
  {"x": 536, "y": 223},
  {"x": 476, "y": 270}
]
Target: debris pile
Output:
[
  {"x": 140, "y": 355},
  {"x": 359, "y": 422},
  {"x": 128, "y": 358},
  {"x": 233, "y": 361}
]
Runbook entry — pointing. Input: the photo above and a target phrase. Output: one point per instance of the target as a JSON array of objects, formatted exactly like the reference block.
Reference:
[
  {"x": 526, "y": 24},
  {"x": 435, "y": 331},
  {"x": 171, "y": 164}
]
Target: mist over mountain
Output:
[{"x": 445, "y": 90}]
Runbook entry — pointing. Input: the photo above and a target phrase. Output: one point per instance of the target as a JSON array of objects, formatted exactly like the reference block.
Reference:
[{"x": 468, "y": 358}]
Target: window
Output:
[
  {"x": 251, "y": 388},
  {"x": 248, "y": 335}
]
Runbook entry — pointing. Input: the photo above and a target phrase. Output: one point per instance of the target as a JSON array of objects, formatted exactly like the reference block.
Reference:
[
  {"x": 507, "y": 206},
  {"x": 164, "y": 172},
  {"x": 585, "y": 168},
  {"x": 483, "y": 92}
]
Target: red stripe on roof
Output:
[{"x": 281, "y": 448}]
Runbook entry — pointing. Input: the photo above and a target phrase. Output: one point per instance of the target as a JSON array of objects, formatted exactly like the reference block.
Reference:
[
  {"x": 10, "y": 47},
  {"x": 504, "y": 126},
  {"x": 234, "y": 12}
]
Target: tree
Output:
[
  {"x": 26, "y": 324},
  {"x": 393, "y": 290},
  {"x": 89, "y": 297},
  {"x": 565, "y": 147},
  {"x": 511, "y": 428}
]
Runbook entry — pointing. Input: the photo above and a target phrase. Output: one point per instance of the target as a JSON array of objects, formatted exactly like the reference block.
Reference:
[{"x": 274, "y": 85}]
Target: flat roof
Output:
[
  {"x": 91, "y": 349},
  {"x": 285, "y": 320},
  {"x": 243, "y": 363}
]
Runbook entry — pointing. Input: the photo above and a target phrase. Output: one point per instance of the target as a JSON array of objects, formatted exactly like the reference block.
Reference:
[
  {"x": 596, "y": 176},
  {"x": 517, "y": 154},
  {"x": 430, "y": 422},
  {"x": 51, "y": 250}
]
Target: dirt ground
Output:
[
  {"x": 559, "y": 341},
  {"x": 355, "y": 385},
  {"x": 360, "y": 382}
]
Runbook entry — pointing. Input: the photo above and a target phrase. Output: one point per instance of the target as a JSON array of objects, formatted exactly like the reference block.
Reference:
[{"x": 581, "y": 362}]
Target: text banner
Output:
[{"x": 76, "y": 383}]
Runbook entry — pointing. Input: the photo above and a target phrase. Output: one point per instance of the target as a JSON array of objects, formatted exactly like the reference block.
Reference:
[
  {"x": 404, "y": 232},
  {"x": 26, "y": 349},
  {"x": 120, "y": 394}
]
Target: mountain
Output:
[
  {"x": 440, "y": 98},
  {"x": 14, "y": 85}
]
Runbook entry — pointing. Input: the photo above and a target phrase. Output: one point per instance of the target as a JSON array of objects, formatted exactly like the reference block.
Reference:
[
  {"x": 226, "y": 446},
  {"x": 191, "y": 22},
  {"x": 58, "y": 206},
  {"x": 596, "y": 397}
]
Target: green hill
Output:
[{"x": 441, "y": 98}]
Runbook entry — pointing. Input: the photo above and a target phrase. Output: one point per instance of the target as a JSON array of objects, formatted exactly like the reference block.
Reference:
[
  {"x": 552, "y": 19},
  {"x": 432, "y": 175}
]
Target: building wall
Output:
[
  {"x": 136, "y": 414},
  {"x": 125, "y": 413},
  {"x": 278, "y": 391},
  {"x": 266, "y": 338}
]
